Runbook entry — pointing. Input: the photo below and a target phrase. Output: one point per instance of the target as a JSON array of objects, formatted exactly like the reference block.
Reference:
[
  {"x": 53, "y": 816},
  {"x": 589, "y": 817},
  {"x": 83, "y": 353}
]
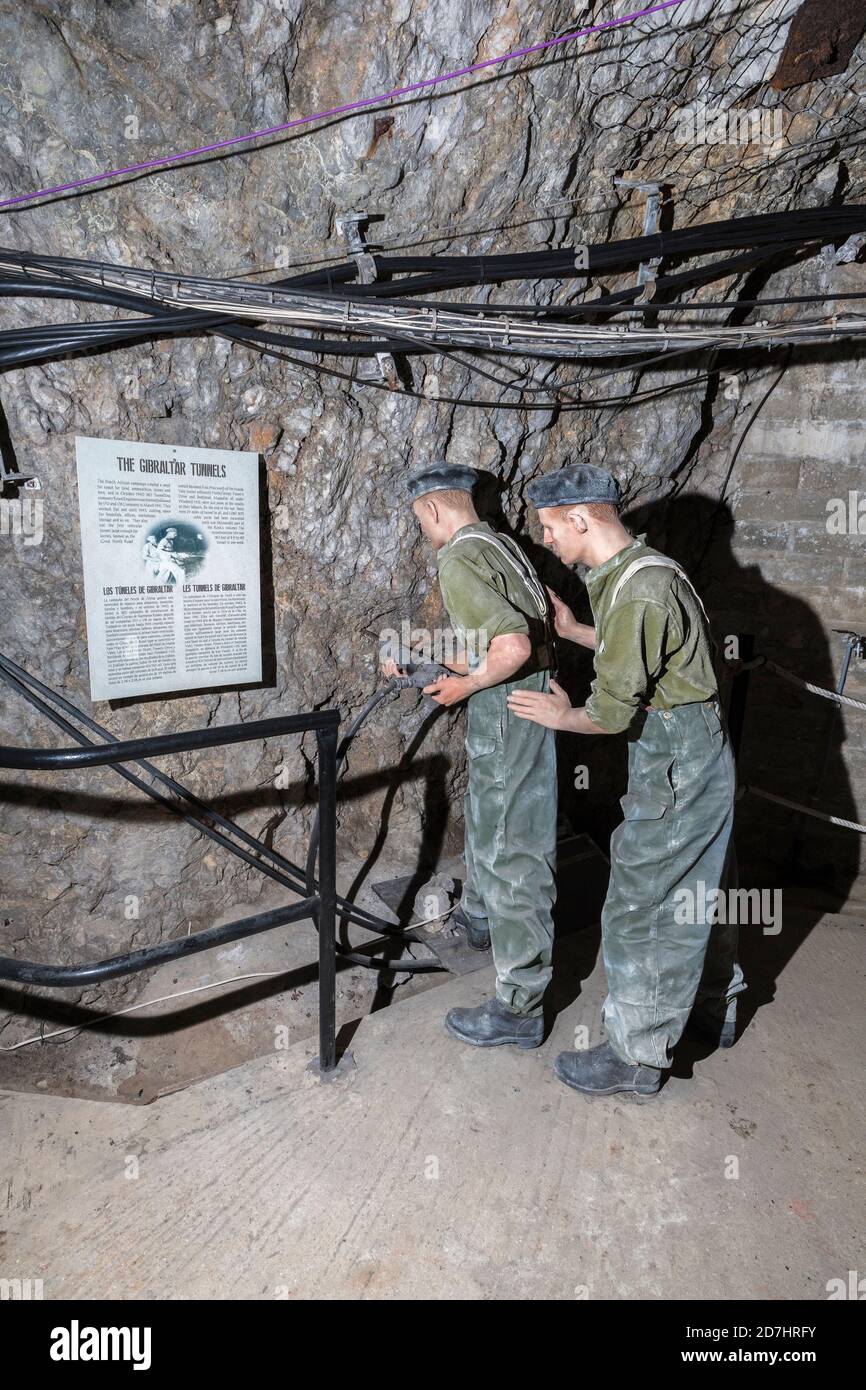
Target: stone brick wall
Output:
[{"x": 796, "y": 583}]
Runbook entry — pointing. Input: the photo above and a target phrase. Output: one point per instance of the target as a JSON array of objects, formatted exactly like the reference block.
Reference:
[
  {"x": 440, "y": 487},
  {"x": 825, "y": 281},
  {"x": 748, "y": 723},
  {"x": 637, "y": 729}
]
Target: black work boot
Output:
[
  {"x": 491, "y": 1024},
  {"x": 476, "y": 929},
  {"x": 599, "y": 1072},
  {"x": 718, "y": 1031}
]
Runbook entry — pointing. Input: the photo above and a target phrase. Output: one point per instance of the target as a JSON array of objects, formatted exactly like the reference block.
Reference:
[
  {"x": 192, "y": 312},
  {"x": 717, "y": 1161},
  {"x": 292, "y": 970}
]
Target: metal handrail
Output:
[
  {"x": 321, "y": 905},
  {"x": 59, "y": 759}
]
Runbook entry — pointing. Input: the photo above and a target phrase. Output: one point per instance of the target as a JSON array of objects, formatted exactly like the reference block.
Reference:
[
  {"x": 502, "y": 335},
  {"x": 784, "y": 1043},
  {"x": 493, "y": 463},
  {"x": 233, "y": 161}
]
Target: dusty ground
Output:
[
  {"x": 429, "y": 1170},
  {"x": 171, "y": 1041}
]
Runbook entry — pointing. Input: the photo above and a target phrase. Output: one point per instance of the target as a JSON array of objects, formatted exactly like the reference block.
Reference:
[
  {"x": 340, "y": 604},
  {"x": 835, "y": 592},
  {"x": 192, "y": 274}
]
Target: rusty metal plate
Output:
[{"x": 820, "y": 42}]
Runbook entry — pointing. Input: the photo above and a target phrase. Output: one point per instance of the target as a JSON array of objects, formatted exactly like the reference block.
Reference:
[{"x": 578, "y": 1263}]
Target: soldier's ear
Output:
[{"x": 577, "y": 519}]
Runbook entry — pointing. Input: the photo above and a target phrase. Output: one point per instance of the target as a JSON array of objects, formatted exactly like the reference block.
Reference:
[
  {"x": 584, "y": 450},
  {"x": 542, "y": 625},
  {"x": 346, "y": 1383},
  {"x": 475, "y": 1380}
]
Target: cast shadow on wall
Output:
[{"x": 792, "y": 741}]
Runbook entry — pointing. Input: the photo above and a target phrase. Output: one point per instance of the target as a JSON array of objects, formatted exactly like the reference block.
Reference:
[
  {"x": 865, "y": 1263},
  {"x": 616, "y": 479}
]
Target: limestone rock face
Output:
[{"x": 514, "y": 157}]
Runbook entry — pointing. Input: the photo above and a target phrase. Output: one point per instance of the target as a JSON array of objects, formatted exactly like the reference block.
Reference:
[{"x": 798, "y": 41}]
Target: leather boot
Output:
[
  {"x": 599, "y": 1072},
  {"x": 476, "y": 929},
  {"x": 491, "y": 1024}
]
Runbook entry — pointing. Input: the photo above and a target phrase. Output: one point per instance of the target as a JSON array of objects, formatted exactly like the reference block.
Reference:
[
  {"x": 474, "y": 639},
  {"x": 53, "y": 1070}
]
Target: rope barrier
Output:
[
  {"x": 762, "y": 661},
  {"x": 786, "y": 675},
  {"x": 805, "y": 810}
]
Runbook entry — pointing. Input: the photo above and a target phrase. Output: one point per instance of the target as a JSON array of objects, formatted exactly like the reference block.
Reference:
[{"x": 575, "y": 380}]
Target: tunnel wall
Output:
[{"x": 508, "y": 159}]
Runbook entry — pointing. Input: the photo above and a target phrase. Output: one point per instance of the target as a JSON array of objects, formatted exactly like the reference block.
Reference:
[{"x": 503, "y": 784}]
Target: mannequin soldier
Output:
[
  {"x": 654, "y": 679},
  {"x": 498, "y": 609}
]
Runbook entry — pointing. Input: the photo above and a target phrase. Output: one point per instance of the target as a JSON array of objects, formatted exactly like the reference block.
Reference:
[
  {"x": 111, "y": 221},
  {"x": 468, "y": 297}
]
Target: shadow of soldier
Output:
[{"x": 792, "y": 741}]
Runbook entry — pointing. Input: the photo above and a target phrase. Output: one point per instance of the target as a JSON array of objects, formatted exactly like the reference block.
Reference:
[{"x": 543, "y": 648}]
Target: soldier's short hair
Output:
[
  {"x": 450, "y": 497},
  {"x": 606, "y": 512}
]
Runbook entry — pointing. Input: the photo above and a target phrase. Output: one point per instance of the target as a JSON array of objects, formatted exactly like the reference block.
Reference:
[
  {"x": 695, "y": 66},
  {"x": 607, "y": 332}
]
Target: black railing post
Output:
[
  {"x": 739, "y": 692},
  {"x": 327, "y": 748}
]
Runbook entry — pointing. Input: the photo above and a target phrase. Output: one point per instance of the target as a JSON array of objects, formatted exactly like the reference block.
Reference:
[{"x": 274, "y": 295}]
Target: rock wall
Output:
[{"x": 515, "y": 158}]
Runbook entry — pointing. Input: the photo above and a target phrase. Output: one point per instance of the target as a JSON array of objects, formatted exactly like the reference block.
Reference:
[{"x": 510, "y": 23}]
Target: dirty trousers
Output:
[
  {"x": 673, "y": 847},
  {"x": 510, "y": 817}
]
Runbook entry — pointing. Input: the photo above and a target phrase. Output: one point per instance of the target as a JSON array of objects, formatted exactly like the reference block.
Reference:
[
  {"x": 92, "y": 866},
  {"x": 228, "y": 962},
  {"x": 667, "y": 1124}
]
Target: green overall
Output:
[
  {"x": 654, "y": 678},
  {"x": 510, "y": 803}
]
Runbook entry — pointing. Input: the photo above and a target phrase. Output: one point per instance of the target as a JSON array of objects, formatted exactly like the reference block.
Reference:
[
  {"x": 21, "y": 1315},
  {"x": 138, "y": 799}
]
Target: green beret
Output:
[
  {"x": 579, "y": 482},
  {"x": 440, "y": 477}
]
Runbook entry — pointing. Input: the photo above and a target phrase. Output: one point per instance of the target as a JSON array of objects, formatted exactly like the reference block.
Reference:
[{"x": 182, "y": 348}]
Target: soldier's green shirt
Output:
[
  {"x": 485, "y": 596},
  {"x": 652, "y": 646}
]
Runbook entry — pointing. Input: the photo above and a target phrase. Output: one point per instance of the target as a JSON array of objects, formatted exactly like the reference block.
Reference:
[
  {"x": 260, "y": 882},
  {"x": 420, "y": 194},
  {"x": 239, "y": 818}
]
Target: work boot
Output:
[
  {"x": 720, "y": 1032},
  {"x": 476, "y": 929},
  {"x": 599, "y": 1072},
  {"x": 491, "y": 1024}
]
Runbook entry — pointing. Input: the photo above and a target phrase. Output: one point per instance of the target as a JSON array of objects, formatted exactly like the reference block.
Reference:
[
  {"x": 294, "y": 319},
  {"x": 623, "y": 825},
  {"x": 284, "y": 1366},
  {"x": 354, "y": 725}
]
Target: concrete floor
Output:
[
  {"x": 271, "y": 984},
  {"x": 431, "y": 1170}
]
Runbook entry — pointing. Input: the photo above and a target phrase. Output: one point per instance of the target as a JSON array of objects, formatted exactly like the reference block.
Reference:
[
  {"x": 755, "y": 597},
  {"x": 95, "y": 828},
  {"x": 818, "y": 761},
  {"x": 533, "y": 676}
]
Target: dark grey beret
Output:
[
  {"x": 441, "y": 476},
  {"x": 579, "y": 482}
]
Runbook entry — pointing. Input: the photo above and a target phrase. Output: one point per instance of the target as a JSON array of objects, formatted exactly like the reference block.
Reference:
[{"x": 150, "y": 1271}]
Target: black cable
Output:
[
  {"x": 795, "y": 229},
  {"x": 250, "y": 336},
  {"x": 160, "y": 325},
  {"x": 37, "y": 347},
  {"x": 320, "y": 369},
  {"x": 313, "y": 847},
  {"x": 607, "y": 303},
  {"x": 777, "y": 230},
  {"x": 29, "y": 344}
]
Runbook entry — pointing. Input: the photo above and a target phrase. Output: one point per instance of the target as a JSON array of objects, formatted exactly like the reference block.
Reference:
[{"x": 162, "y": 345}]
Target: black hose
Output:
[
  {"x": 313, "y": 847},
  {"x": 34, "y": 344},
  {"x": 415, "y": 675},
  {"x": 775, "y": 229}
]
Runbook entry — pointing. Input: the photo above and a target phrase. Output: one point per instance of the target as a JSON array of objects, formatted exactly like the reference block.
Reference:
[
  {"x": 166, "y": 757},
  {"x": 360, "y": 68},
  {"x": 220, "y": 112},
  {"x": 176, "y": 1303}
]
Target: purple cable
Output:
[{"x": 338, "y": 110}]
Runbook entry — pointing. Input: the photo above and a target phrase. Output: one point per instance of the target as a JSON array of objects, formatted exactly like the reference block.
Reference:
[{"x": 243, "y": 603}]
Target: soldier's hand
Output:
[
  {"x": 550, "y": 710},
  {"x": 449, "y": 690},
  {"x": 563, "y": 619},
  {"x": 390, "y": 669}
]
